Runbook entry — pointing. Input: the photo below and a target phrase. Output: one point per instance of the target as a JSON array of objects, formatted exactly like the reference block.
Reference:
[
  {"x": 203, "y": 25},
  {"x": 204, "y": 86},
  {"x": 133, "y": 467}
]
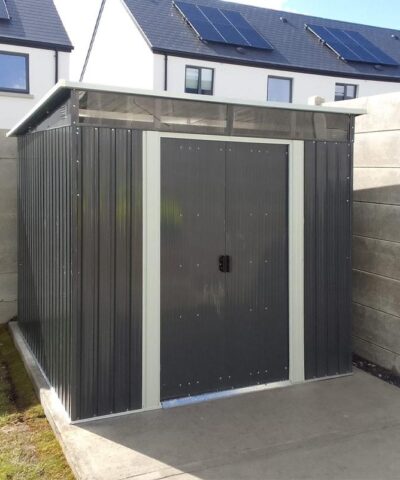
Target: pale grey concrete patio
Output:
[{"x": 346, "y": 428}]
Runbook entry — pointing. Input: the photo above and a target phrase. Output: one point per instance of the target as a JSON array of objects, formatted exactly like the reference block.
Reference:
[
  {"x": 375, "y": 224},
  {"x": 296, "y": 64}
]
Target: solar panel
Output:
[
  {"x": 346, "y": 38},
  {"x": 227, "y": 30},
  {"x": 221, "y": 26},
  {"x": 4, "y": 15},
  {"x": 255, "y": 39},
  {"x": 199, "y": 22},
  {"x": 373, "y": 49},
  {"x": 351, "y": 46}
]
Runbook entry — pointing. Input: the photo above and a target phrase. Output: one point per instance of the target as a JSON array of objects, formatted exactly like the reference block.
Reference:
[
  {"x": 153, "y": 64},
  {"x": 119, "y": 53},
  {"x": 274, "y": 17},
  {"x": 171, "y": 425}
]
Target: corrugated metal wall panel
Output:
[
  {"x": 257, "y": 240},
  {"x": 192, "y": 287},
  {"x": 44, "y": 258},
  {"x": 80, "y": 260},
  {"x": 111, "y": 259},
  {"x": 327, "y": 258},
  {"x": 222, "y": 330}
]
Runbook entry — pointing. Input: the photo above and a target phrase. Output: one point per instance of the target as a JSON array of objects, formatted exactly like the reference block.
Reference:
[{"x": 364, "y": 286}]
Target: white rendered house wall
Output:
[
  {"x": 13, "y": 106},
  {"x": 250, "y": 83},
  {"x": 79, "y": 28},
  {"x": 120, "y": 55}
]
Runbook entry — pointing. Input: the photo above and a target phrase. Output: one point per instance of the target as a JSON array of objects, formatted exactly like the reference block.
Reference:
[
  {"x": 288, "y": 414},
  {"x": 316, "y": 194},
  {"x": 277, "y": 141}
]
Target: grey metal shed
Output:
[{"x": 177, "y": 247}]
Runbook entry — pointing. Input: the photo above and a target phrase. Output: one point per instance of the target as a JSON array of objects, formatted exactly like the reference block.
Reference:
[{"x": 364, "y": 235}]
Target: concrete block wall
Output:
[
  {"x": 376, "y": 230},
  {"x": 8, "y": 227}
]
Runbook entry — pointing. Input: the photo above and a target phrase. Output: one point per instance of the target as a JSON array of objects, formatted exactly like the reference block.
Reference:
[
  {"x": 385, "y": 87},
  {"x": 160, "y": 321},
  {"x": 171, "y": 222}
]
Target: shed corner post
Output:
[
  {"x": 151, "y": 269},
  {"x": 76, "y": 254},
  {"x": 296, "y": 262}
]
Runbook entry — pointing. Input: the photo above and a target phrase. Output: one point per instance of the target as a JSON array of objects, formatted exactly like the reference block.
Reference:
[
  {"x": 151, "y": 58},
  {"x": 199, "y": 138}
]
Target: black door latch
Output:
[{"x": 224, "y": 263}]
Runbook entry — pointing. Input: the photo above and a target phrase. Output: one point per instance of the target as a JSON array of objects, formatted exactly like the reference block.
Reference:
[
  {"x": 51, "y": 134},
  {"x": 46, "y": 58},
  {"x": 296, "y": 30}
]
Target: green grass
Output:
[{"x": 28, "y": 447}]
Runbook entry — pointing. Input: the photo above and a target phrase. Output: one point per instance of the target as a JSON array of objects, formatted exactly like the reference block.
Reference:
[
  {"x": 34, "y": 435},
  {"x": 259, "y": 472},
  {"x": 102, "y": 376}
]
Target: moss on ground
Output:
[{"x": 28, "y": 447}]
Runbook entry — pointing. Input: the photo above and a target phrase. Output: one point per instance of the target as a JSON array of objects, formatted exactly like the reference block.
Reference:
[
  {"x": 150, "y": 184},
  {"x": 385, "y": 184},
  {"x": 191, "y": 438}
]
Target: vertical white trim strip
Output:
[
  {"x": 151, "y": 270},
  {"x": 152, "y": 266},
  {"x": 296, "y": 262}
]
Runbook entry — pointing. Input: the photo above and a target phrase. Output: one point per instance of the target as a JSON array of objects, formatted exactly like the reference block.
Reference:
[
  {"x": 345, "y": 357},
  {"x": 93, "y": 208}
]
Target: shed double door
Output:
[{"x": 224, "y": 265}]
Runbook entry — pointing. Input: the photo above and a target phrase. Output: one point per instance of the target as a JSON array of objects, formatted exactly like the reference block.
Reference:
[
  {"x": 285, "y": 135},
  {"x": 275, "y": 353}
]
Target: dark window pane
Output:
[
  {"x": 339, "y": 90},
  {"x": 345, "y": 92},
  {"x": 199, "y": 80},
  {"x": 192, "y": 80},
  {"x": 279, "y": 89},
  {"x": 351, "y": 91},
  {"x": 13, "y": 74},
  {"x": 206, "y": 81}
]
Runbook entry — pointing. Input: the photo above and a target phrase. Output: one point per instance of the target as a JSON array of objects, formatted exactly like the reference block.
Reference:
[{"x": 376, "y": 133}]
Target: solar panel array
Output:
[
  {"x": 351, "y": 46},
  {"x": 4, "y": 15},
  {"x": 221, "y": 26}
]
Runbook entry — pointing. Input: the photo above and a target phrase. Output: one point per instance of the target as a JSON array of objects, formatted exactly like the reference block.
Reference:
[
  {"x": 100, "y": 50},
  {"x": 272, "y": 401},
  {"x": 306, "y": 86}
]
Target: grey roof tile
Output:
[
  {"x": 294, "y": 47},
  {"x": 34, "y": 21}
]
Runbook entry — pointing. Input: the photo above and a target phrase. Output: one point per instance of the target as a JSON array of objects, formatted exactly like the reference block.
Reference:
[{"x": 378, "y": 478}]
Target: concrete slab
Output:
[
  {"x": 376, "y": 256},
  {"x": 8, "y": 185},
  {"x": 346, "y": 428},
  {"x": 376, "y": 291},
  {"x": 376, "y": 354},
  {"x": 377, "y": 149},
  {"x": 8, "y": 146},
  {"x": 8, "y": 287},
  {"x": 376, "y": 327},
  {"x": 8, "y": 310},
  {"x": 377, "y": 185},
  {"x": 376, "y": 221}
]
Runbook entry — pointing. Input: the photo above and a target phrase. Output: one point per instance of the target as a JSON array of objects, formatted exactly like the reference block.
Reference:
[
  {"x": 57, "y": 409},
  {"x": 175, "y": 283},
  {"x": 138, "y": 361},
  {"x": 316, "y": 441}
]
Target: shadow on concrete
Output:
[{"x": 326, "y": 429}]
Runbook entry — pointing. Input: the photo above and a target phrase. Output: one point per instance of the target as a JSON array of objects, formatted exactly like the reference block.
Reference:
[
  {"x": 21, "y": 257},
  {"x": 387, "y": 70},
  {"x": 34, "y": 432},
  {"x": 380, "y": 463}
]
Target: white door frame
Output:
[{"x": 152, "y": 265}]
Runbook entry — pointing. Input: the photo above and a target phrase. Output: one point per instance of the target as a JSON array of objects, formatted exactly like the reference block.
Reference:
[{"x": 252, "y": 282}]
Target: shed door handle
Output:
[{"x": 224, "y": 263}]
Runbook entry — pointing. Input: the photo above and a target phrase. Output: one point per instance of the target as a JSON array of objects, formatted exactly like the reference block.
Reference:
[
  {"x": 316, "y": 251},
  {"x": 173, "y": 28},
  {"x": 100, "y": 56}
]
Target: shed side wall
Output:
[
  {"x": 110, "y": 332},
  {"x": 327, "y": 316},
  {"x": 376, "y": 240},
  {"x": 44, "y": 258}
]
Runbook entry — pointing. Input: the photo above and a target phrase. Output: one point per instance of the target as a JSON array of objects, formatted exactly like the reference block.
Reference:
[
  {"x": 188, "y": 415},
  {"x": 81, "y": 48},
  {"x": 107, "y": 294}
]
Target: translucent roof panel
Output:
[{"x": 187, "y": 116}]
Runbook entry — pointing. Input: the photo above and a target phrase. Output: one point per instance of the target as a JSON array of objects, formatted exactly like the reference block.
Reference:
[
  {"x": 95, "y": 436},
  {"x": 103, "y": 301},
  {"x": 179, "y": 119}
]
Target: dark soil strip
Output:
[
  {"x": 377, "y": 371},
  {"x": 6, "y": 379}
]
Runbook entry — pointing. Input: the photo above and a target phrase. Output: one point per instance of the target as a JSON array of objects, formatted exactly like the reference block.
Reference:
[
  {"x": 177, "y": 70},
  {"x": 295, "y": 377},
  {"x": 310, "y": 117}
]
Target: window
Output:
[
  {"x": 279, "y": 89},
  {"x": 14, "y": 72},
  {"x": 199, "y": 80},
  {"x": 344, "y": 91}
]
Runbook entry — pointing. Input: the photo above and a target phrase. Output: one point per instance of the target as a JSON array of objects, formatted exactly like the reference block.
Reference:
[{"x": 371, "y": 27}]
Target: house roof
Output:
[
  {"x": 295, "y": 48},
  {"x": 34, "y": 23}
]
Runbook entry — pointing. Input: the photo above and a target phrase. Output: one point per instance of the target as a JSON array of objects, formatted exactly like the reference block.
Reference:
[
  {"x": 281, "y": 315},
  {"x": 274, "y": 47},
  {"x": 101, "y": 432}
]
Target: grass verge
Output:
[{"x": 28, "y": 447}]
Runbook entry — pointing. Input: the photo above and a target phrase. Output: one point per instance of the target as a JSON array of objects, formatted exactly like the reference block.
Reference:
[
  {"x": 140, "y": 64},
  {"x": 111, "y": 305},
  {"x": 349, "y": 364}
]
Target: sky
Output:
[{"x": 383, "y": 13}]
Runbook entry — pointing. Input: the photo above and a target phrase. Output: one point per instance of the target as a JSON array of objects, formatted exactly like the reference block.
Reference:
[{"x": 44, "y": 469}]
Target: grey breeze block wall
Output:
[
  {"x": 376, "y": 231},
  {"x": 8, "y": 227}
]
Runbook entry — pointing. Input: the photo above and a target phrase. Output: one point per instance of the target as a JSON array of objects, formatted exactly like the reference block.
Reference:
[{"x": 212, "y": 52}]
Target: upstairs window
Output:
[
  {"x": 345, "y": 91},
  {"x": 14, "y": 72},
  {"x": 279, "y": 89},
  {"x": 199, "y": 80}
]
